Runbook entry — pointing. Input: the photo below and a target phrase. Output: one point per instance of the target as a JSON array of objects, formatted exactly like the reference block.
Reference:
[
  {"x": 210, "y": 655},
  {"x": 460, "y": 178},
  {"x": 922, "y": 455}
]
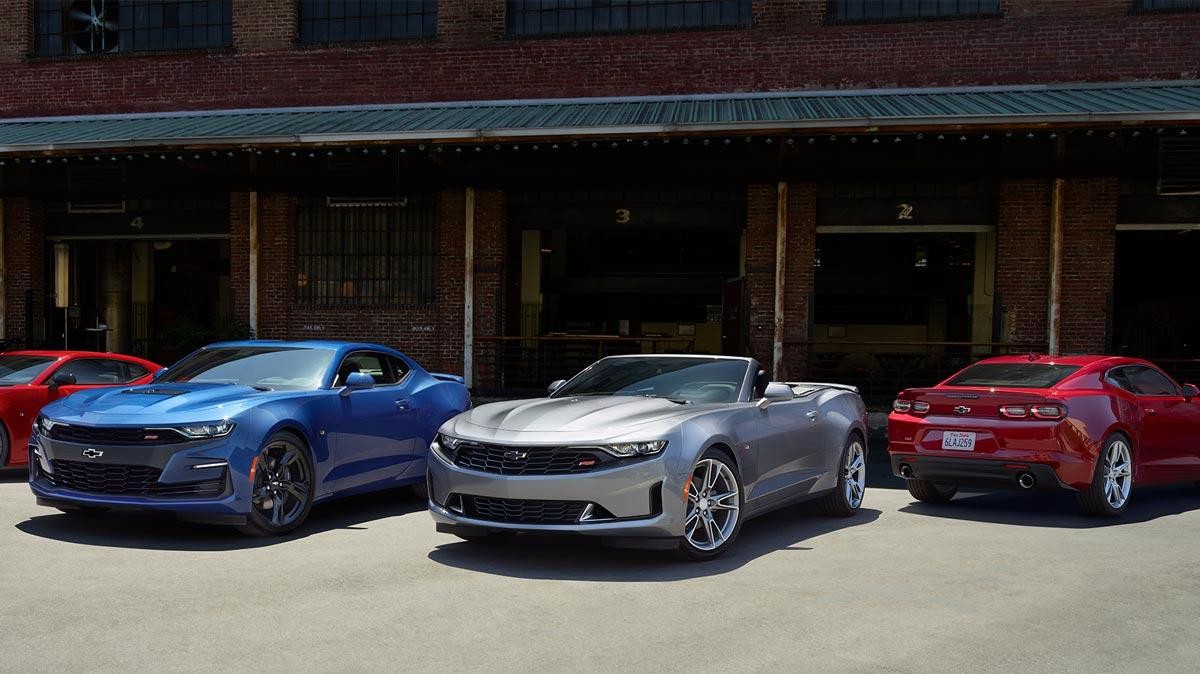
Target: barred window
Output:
[
  {"x": 65, "y": 27},
  {"x": 892, "y": 10},
  {"x": 352, "y": 20},
  {"x": 1165, "y": 5},
  {"x": 366, "y": 255},
  {"x": 558, "y": 17}
]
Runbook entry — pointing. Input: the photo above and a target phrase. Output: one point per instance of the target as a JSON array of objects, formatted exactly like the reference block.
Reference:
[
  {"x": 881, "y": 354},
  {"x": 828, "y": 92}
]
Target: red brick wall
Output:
[
  {"x": 470, "y": 21},
  {"x": 263, "y": 25},
  {"x": 239, "y": 255},
  {"x": 1023, "y": 260},
  {"x": 1089, "y": 244},
  {"x": 24, "y": 259},
  {"x": 798, "y": 277},
  {"x": 14, "y": 36},
  {"x": 760, "y": 270},
  {"x": 792, "y": 49}
]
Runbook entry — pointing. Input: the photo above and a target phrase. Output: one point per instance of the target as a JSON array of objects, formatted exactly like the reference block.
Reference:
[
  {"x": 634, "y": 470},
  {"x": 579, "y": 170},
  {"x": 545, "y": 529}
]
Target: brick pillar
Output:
[
  {"x": 239, "y": 255},
  {"x": 25, "y": 257},
  {"x": 470, "y": 20},
  {"x": 787, "y": 14},
  {"x": 1023, "y": 256},
  {"x": 490, "y": 242},
  {"x": 760, "y": 270},
  {"x": 1089, "y": 247},
  {"x": 798, "y": 277},
  {"x": 451, "y": 230},
  {"x": 264, "y": 25},
  {"x": 276, "y": 264},
  {"x": 16, "y": 31}
]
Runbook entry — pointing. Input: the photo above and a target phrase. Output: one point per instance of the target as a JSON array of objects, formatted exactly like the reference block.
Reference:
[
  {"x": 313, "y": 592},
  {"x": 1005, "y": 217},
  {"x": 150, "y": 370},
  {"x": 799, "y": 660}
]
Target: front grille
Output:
[
  {"x": 520, "y": 511},
  {"x": 101, "y": 435},
  {"x": 125, "y": 480},
  {"x": 507, "y": 460}
]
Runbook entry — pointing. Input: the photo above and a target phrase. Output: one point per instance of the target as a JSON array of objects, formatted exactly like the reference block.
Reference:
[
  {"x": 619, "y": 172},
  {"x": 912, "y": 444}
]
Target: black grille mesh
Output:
[
  {"x": 125, "y": 480},
  {"x": 506, "y": 460},
  {"x": 521, "y": 511},
  {"x": 99, "y": 435}
]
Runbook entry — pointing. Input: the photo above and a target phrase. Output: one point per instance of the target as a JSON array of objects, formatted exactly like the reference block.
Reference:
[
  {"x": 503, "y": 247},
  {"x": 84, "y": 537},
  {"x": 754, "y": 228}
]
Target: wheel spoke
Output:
[
  {"x": 298, "y": 490},
  {"x": 710, "y": 528},
  {"x": 714, "y": 474},
  {"x": 691, "y": 516},
  {"x": 277, "y": 512}
]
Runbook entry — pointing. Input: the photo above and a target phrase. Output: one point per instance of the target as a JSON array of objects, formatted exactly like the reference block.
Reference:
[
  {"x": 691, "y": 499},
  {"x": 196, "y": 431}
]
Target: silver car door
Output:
[{"x": 789, "y": 449}]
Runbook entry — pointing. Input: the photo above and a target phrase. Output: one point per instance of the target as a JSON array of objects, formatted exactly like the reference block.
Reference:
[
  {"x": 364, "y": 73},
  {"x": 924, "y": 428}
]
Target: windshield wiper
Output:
[{"x": 677, "y": 401}]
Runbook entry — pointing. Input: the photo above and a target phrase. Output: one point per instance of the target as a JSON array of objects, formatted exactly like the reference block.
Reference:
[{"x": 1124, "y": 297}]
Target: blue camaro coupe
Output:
[{"x": 245, "y": 433}]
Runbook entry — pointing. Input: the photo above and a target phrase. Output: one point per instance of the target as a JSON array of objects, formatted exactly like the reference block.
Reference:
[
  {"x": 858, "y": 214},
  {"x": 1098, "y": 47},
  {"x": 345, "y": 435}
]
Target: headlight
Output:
[
  {"x": 628, "y": 449},
  {"x": 216, "y": 429},
  {"x": 446, "y": 445},
  {"x": 44, "y": 424}
]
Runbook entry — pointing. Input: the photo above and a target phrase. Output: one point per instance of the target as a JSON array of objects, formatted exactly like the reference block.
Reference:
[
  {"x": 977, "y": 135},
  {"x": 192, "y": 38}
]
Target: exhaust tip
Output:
[
  {"x": 1025, "y": 480},
  {"x": 906, "y": 471}
]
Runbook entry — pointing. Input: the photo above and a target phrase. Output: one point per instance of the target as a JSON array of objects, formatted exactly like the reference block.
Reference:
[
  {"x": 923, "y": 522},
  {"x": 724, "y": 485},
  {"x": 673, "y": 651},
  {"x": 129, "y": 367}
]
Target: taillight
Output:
[
  {"x": 1048, "y": 411},
  {"x": 920, "y": 407},
  {"x": 1014, "y": 411},
  {"x": 902, "y": 405}
]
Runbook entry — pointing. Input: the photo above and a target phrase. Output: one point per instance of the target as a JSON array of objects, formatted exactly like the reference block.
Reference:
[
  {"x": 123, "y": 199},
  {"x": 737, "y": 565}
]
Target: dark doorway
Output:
[{"x": 1155, "y": 298}]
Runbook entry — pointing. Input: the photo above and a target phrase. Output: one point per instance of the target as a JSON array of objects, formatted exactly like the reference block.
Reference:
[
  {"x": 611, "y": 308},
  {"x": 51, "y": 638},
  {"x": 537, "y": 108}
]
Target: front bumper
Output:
[
  {"x": 144, "y": 477},
  {"x": 639, "y": 500}
]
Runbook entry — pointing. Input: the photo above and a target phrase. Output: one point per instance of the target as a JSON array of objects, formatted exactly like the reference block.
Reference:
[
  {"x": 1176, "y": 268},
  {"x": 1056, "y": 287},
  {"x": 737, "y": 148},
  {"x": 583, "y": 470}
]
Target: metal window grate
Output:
[
  {"x": 557, "y": 17},
  {"x": 354, "y": 20},
  {"x": 1178, "y": 166},
  {"x": 366, "y": 255},
  {"x": 891, "y": 10},
  {"x": 66, "y": 27}
]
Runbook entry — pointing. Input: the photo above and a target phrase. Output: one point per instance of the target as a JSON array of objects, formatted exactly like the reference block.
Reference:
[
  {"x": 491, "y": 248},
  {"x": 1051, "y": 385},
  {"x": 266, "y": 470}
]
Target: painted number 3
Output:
[
  {"x": 904, "y": 211},
  {"x": 622, "y": 216}
]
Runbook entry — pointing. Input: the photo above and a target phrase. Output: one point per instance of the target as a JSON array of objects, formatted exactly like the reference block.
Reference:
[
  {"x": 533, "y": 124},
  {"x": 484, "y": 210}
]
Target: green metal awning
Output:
[{"x": 885, "y": 109}]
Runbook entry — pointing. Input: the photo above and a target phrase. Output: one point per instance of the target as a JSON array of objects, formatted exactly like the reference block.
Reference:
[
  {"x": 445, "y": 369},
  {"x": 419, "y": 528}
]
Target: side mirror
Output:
[
  {"x": 357, "y": 381},
  {"x": 555, "y": 385},
  {"x": 62, "y": 379},
  {"x": 1190, "y": 391},
  {"x": 775, "y": 392}
]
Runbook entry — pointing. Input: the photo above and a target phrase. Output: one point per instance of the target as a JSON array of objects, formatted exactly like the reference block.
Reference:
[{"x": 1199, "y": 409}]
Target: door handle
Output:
[
  {"x": 812, "y": 416},
  {"x": 1151, "y": 410},
  {"x": 402, "y": 404}
]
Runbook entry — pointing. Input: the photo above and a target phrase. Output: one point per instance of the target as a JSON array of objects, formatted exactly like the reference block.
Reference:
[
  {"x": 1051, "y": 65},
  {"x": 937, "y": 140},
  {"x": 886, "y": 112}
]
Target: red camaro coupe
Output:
[
  {"x": 1095, "y": 425},
  {"x": 31, "y": 379}
]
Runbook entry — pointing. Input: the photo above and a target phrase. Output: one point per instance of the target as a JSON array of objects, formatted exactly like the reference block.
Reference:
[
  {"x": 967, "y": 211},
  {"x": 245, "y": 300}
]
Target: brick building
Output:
[{"x": 874, "y": 191}]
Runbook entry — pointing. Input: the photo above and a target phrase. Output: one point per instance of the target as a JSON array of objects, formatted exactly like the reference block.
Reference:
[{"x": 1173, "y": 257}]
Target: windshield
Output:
[
  {"x": 684, "y": 380},
  {"x": 267, "y": 367},
  {"x": 1016, "y": 375},
  {"x": 22, "y": 369}
]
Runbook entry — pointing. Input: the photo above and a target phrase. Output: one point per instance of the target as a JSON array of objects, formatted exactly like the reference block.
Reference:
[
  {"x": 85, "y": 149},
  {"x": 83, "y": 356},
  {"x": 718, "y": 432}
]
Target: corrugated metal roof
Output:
[{"x": 1163, "y": 102}]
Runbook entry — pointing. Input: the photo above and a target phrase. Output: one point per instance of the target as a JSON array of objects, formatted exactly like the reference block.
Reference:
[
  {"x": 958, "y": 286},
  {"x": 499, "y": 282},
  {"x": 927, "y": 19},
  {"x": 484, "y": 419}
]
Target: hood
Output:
[
  {"x": 603, "y": 416},
  {"x": 211, "y": 401}
]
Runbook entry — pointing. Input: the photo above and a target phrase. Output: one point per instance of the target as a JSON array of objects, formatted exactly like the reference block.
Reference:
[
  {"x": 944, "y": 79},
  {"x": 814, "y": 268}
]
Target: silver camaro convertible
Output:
[{"x": 650, "y": 451}]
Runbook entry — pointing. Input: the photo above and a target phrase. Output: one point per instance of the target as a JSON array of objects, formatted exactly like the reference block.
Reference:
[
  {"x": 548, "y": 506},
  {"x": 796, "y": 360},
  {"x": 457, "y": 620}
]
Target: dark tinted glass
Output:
[
  {"x": 696, "y": 380},
  {"x": 96, "y": 371},
  {"x": 559, "y": 17},
  {"x": 885, "y": 10},
  {"x": 1016, "y": 375},
  {"x": 267, "y": 367},
  {"x": 1148, "y": 382},
  {"x": 22, "y": 369}
]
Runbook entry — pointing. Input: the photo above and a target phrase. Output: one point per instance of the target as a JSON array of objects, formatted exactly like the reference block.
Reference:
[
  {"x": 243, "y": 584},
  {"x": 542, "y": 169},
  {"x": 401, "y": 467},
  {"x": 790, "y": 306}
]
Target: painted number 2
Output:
[
  {"x": 904, "y": 211},
  {"x": 622, "y": 216}
]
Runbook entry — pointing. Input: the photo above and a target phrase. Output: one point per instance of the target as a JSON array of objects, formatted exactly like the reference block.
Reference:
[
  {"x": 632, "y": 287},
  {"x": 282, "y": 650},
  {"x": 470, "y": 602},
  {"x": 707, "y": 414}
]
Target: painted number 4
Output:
[{"x": 904, "y": 211}]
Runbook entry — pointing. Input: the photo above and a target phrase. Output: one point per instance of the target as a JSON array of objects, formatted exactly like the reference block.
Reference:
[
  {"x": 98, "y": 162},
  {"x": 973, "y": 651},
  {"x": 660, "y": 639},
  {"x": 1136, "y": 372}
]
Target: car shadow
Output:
[
  {"x": 19, "y": 474},
  {"x": 584, "y": 558},
  {"x": 161, "y": 531},
  {"x": 1058, "y": 509}
]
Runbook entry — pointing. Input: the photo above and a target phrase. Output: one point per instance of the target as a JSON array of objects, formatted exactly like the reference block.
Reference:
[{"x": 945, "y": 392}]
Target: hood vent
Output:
[{"x": 156, "y": 391}]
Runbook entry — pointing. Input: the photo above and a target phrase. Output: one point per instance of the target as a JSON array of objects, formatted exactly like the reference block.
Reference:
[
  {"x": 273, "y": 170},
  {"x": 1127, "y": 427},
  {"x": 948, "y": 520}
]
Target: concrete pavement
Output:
[{"x": 989, "y": 583}]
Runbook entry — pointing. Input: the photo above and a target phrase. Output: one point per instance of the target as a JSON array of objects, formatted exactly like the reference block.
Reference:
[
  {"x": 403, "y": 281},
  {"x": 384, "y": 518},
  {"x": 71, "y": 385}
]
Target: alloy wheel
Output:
[
  {"x": 855, "y": 474},
  {"x": 1118, "y": 474},
  {"x": 281, "y": 484},
  {"x": 713, "y": 505}
]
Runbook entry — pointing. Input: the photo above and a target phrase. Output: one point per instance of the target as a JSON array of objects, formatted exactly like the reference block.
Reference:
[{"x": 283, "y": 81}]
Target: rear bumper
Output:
[{"x": 974, "y": 472}]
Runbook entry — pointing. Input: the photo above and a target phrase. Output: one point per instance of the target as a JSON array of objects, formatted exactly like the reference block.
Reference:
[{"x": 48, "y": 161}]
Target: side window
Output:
[
  {"x": 1148, "y": 382},
  {"x": 97, "y": 371},
  {"x": 377, "y": 365},
  {"x": 399, "y": 367},
  {"x": 1117, "y": 377},
  {"x": 135, "y": 371}
]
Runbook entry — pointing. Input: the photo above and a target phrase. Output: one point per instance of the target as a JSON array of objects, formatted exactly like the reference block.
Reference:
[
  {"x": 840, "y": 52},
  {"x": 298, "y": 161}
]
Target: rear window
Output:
[{"x": 1016, "y": 375}]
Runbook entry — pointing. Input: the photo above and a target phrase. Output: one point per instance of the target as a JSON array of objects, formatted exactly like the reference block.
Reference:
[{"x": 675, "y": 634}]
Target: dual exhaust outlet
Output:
[{"x": 1025, "y": 480}]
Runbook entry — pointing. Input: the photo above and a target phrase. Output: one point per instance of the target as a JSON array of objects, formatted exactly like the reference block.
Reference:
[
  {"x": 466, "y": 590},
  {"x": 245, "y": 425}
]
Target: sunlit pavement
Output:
[{"x": 990, "y": 582}]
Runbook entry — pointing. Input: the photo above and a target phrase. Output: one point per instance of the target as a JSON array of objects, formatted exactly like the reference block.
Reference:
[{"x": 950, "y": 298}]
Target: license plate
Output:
[{"x": 958, "y": 441}]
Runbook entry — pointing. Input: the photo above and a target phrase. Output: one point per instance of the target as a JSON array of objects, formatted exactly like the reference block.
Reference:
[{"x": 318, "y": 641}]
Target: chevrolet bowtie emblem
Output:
[
  {"x": 962, "y": 409},
  {"x": 93, "y": 453},
  {"x": 515, "y": 455}
]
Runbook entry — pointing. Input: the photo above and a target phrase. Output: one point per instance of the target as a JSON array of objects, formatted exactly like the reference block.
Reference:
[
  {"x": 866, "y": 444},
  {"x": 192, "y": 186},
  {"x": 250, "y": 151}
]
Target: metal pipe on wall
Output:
[
  {"x": 253, "y": 268},
  {"x": 1054, "y": 317},
  {"x": 469, "y": 290},
  {"x": 780, "y": 271}
]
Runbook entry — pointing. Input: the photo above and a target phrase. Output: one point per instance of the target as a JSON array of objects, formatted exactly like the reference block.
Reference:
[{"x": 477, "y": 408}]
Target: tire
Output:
[
  {"x": 284, "y": 485},
  {"x": 1112, "y": 479},
  {"x": 847, "y": 497},
  {"x": 705, "y": 535},
  {"x": 82, "y": 511},
  {"x": 4, "y": 445},
  {"x": 930, "y": 492}
]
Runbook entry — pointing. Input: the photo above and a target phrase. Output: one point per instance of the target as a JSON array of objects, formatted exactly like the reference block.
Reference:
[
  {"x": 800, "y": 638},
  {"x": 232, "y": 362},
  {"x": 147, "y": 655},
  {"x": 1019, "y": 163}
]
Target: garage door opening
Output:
[{"x": 1155, "y": 296}]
